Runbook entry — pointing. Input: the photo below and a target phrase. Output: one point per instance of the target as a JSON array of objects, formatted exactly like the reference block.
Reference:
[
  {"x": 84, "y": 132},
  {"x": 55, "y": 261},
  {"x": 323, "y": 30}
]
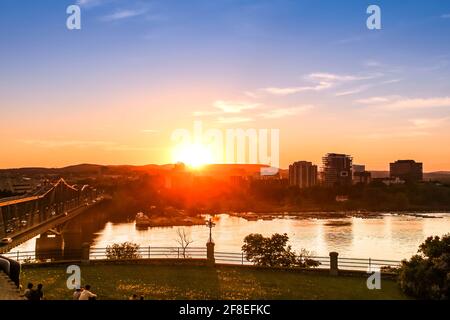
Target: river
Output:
[{"x": 389, "y": 236}]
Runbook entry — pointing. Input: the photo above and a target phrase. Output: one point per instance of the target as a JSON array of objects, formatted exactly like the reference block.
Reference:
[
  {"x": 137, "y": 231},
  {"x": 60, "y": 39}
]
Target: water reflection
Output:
[{"x": 388, "y": 237}]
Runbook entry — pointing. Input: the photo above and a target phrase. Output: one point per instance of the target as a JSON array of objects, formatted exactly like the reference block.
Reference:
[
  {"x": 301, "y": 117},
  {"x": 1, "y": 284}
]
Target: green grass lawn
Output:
[{"x": 193, "y": 282}]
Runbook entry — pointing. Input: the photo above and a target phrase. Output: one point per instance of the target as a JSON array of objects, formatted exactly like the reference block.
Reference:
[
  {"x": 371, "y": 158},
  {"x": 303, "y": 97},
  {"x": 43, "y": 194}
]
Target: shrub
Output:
[
  {"x": 274, "y": 252},
  {"x": 304, "y": 260},
  {"x": 126, "y": 250},
  {"x": 427, "y": 274}
]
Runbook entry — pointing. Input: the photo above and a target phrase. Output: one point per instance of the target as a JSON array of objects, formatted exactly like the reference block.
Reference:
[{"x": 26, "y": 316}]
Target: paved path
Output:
[{"x": 8, "y": 290}]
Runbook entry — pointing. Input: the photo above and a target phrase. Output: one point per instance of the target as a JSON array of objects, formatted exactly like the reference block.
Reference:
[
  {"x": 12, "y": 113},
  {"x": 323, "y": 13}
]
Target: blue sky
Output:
[{"x": 152, "y": 66}]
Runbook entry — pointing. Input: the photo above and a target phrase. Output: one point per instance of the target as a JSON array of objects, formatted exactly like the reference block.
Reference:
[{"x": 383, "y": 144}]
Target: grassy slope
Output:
[{"x": 185, "y": 282}]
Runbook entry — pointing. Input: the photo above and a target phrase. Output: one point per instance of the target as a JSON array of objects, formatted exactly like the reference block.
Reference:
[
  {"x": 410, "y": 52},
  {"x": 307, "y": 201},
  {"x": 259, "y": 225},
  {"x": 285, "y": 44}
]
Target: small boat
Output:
[{"x": 142, "y": 221}]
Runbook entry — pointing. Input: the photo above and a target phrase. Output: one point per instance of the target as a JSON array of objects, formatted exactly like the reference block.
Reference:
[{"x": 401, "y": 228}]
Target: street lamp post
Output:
[
  {"x": 210, "y": 244},
  {"x": 210, "y": 225}
]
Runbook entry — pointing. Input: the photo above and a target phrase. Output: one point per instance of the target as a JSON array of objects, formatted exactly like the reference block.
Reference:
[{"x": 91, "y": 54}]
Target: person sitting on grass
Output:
[
  {"x": 37, "y": 294},
  {"x": 76, "y": 294},
  {"x": 28, "y": 291},
  {"x": 87, "y": 294}
]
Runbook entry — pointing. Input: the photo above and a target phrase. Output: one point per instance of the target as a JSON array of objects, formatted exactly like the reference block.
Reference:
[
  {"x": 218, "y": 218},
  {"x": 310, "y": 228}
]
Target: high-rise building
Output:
[
  {"x": 337, "y": 169},
  {"x": 302, "y": 174},
  {"x": 407, "y": 170}
]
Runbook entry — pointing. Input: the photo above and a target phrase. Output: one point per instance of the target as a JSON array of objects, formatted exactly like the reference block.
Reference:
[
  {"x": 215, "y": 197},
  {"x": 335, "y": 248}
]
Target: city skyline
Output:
[{"x": 114, "y": 91}]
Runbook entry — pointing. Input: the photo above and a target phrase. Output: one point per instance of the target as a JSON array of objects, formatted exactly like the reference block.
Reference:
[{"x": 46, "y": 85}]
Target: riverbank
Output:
[
  {"x": 253, "y": 216},
  {"x": 119, "y": 282}
]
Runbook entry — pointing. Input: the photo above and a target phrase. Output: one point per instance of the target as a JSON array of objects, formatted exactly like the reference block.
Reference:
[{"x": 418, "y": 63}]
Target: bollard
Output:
[
  {"x": 334, "y": 270},
  {"x": 210, "y": 252}
]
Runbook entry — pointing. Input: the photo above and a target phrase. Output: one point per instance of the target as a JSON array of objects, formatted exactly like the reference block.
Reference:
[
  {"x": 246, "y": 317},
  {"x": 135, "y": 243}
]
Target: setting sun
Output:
[{"x": 193, "y": 155}]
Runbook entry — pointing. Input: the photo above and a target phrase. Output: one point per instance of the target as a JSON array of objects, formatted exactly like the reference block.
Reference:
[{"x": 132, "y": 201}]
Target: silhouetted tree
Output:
[
  {"x": 274, "y": 252},
  {"x": 427, "y": 274},
  {"x": 184, "y": 240}
]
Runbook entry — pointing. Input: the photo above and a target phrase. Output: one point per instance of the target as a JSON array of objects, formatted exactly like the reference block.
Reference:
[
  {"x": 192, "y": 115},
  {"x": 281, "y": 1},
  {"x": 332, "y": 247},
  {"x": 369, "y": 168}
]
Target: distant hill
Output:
[
  {"x": 437, "y": 175},
  {"x": 120, "y": 169},
  {"x": 212, "y": 169},
  {"x": 379, "y": 174}
]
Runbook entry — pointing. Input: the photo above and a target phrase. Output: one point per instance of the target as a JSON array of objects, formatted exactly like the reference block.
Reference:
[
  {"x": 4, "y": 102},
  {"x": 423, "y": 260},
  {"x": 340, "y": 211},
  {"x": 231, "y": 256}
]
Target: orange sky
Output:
[{"x": 115, "y": 91}]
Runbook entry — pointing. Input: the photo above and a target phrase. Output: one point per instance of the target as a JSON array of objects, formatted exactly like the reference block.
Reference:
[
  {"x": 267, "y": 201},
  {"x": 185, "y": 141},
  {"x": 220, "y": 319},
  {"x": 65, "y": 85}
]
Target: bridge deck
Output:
[
  {"x": 25, "y": 235},
  {"x": 9, "y": 202}
]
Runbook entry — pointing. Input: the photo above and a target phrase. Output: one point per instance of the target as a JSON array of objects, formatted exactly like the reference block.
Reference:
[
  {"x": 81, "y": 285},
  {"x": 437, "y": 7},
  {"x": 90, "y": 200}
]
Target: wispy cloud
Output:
[
  {"x": 446, "y": 16},
  {"x": 321, "y": 81},
  {"x": 418, "y": 103},
  {"x": 228, "y": 120},
  {"x": 365, "y": 87},
  {"x": 283, "y": 112},
  {"x": 124, "y": 14},
  {"x": 91, "y": 3},
  {"x": 251, "y": 94},
  {"x": 352, "y": 91},
  {"x": 292, "y": 90},
  {"x": 234, "y": 106},
  {"x": 429, "y": 123},
  {"x": 403, "y": 103},
  {"x": 390, "y": 81},
  {"x": 420, "y": 127},
  {"x": 374, "y": 100},
  {"x": 222, "y": 107}
]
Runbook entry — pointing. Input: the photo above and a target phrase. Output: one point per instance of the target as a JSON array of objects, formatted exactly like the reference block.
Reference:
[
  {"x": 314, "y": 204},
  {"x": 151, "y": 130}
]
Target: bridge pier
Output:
[
  {"x": 49, "y": 245},
  {"x": 73, "y": 241}
]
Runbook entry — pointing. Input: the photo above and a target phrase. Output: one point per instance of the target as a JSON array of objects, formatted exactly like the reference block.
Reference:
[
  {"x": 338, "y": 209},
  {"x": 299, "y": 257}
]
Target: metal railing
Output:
[
  {"x": 233, "y": 258},
  {"x": 147, "y": 252},
  {"x": 366, "y": 264},
  {"x": 43, "y": 256},
  {"x": 355, "y": 264},
  {"x": 150, "y": 252}
]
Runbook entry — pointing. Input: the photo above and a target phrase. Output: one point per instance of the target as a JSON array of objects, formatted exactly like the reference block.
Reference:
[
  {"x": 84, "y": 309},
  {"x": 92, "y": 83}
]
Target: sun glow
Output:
[{"x": 193, "y": 155}]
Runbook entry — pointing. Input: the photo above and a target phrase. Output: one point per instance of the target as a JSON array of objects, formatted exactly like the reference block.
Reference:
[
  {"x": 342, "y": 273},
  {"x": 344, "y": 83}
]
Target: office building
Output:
[
  {"x": 337, "y": 169},
  {"x": 406, "y": 170},
  {"x": 302, "y": 174}
]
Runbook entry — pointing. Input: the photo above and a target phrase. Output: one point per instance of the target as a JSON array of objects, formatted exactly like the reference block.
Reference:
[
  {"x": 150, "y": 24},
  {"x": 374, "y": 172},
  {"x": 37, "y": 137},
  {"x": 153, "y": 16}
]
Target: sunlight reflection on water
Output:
[{"x": 388, "y": 237}]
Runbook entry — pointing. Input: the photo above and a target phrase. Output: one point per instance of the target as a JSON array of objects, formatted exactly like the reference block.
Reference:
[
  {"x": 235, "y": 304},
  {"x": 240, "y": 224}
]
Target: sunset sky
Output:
[{"x": 114, "y": 91}]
